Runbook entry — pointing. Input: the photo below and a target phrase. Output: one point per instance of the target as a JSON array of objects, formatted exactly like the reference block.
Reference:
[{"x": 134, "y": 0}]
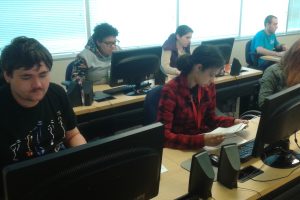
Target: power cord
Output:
[
  {"x": 274, "y": 179},
  {"x": 295, "y": 139},
  {"x": 257, "y": 192}
]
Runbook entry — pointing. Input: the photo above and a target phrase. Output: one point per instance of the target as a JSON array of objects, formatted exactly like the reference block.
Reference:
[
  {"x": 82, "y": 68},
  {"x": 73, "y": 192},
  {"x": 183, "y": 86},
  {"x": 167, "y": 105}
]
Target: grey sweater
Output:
[{"x": 272, "y": 81}]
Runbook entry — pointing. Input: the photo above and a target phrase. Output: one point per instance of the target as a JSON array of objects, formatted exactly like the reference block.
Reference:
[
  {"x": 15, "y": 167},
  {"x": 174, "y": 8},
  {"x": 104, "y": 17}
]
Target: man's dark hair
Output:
[
  {"x": 268, "y": 19},
  {"x": 183, "y": 30},
  {"x": 104, "y": 30},
  {"x": 24, "y": 52}
]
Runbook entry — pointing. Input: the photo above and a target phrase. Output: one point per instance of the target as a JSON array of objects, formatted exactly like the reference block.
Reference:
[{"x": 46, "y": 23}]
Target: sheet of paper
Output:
[
  {"x": 228, "y": 130},
  {"x": 228, "y": 140},
  {"x": 163, "y": 169}
]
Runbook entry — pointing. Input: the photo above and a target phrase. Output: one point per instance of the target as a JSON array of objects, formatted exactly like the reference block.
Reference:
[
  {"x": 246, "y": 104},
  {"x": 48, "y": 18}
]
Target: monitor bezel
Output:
[
  {"x": 121, "y": 59},
  {"x": 278, "y": 122},
  {"x": 147, "y": 139},
  {"x": 220, "y": 42}
]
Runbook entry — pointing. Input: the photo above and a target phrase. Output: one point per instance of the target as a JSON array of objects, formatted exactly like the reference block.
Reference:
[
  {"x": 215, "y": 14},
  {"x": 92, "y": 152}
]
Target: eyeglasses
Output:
[{"x": 111, "y": 43}]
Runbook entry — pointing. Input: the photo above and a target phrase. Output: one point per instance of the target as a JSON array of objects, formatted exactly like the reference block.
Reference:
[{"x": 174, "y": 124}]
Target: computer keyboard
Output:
[
  {"x": 245, "y": 150},
  {"x": 119, "y": 89},
  {"x": 124, "y": 88}
]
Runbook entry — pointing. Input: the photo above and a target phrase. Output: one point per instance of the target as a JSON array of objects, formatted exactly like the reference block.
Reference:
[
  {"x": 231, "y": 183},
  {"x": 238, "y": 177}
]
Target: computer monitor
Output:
[
  {"x": 132, "y": 67},
  {"x": 225, "y": 46},
  {"x": 279, "y": 120},
  {"x": 123, "y": 166}
]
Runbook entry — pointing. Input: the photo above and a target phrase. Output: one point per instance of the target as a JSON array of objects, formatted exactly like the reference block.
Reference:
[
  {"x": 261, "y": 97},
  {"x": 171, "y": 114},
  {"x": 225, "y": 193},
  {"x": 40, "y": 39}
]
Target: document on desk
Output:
[
  {"x": 228, "y": 131},
  {"x": 233, "y": 134},
  {"x": 163, "y": 169}
]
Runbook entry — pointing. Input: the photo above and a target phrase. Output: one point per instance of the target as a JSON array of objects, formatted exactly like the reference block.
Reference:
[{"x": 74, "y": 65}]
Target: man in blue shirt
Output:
[{"x": 265, "y": 42}]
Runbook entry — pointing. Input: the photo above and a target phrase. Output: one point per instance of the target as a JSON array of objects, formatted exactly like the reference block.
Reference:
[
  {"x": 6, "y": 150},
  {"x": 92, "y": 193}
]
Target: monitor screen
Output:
[
  {"x": 123, "y": 166},
  {"x": 280, "y": 119},
  {"x": 225, "y": 46},
  {"x": 132, "y": 67}
]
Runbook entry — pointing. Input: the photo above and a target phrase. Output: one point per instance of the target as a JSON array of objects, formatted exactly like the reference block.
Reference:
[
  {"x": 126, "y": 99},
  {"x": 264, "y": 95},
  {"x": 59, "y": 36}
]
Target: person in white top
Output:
[{"x": 93, "y": 63}]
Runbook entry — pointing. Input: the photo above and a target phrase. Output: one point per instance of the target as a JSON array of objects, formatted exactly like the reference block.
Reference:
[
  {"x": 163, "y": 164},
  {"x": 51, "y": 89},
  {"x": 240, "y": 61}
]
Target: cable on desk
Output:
[
  {"x": 275, "y": 179},
  {"x": 257, "y": 192},
  {"x": 295, "y": 139}
]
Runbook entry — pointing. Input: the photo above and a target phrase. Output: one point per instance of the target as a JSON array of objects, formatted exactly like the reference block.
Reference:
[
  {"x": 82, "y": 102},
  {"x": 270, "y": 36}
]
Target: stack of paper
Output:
[
  {"x": 228, "y": 130},
  {"x": 232, "y": 134}
]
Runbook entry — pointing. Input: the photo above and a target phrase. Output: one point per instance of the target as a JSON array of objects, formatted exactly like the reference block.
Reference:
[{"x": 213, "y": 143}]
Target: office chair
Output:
[
  {"x": 151, "y": 104},
  {"x": 68, "y": 75},
  {"x": 251, "y": 58},
  {"x": 160, "y": 76}
]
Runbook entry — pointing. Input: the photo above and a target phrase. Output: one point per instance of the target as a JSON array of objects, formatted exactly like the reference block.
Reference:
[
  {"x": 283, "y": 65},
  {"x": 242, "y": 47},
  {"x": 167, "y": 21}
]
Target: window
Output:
[
  {"x": 254, "y": 13},
  {"x": 210, "y": 19},
  {"x": 59, "y": 25},
  {"x": 294, "y": 16},
  {"x": 64, "y": 26},
  {"x": 139, "y": 23}
]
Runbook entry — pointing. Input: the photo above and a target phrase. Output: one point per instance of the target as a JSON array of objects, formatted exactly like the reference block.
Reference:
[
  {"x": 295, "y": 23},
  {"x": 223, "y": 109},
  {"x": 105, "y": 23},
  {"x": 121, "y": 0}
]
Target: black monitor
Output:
[
  {"x": 225, "y": 46},
  {"x": 279, "y": 120},
  {"x": 123, "y": 166},
  {"x": 132, "y": 67}
]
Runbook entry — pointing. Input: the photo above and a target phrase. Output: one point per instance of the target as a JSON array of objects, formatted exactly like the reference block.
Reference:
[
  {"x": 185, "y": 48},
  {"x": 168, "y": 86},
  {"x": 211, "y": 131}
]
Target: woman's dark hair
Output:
[
  {"x": 183, "y": 30},
  {"x": 24, "y": 52},
  {"x": 291, "y": 64},
  {"x": 207, "y": 56},
  {"x": 104, "y": 30}
]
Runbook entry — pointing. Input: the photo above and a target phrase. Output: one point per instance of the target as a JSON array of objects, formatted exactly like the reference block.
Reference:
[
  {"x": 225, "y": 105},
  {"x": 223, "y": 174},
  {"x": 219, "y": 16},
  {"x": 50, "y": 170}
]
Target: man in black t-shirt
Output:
[{"x": 36, "y": 117}]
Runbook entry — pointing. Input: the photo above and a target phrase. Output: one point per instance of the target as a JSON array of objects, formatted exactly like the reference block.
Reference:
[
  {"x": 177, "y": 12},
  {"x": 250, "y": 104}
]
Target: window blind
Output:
[{"x": 59, "y": 25}]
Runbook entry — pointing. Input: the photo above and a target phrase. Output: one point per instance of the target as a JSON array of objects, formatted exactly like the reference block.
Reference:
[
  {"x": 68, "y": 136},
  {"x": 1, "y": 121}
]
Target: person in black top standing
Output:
[{"x": 36, "y": 116}]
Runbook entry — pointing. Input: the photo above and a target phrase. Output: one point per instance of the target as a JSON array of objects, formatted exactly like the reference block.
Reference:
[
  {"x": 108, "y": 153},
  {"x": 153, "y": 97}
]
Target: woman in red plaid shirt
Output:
[{"x": 188, "y": 102}]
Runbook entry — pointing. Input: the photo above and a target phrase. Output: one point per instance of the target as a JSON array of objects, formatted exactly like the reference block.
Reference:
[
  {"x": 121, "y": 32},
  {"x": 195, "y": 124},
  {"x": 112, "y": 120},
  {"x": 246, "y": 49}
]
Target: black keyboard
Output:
[
  {"x": 245, "y": 150},
  {"x": 119, "y": 89},
  {"x": 124, "y": 88}
]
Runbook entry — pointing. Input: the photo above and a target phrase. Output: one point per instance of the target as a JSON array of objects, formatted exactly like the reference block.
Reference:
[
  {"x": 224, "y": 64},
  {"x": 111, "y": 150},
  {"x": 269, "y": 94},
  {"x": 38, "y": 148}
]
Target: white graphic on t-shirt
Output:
[
  {"x": 34, "y": 144},
  {"x": 15, "y": 147},
  {"x": 29, "y": 153},
  {"x": 50, "y": 129},
  {"x": 37, "y": 131},
  {"x": 59, "y": 118}
]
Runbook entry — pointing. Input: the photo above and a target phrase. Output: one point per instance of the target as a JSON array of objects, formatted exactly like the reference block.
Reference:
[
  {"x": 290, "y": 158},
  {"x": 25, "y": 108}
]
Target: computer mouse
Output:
[{"x": 214, "y": 159}]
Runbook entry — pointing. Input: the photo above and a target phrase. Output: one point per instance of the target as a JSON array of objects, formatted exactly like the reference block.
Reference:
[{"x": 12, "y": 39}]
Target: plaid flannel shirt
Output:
[{"x": 175, "y": 111}]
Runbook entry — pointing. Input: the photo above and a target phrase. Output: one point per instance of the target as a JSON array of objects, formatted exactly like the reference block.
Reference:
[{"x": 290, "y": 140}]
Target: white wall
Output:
[{"x": 59, "y": 66}]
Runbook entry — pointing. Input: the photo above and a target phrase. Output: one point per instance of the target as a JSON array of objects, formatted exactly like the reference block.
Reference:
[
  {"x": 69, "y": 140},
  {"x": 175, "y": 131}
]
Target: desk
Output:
[
  {"x": 119, "y": 101},
  {"x": 123, "y": 100},
  {"x": 233, "y": 87},
  {"x": 236, "y": 86},
  {"x": 271, "y": 58},
  {"x": 107, "y": 117},
  {"x": 174, "y": 182},
  {"x": 127, "y": 111}
]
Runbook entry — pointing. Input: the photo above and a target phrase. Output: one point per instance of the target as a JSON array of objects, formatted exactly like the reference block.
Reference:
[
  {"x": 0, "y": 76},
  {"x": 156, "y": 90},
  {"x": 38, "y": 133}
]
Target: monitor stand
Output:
[
  {"x": 140, "y": 89},
  {"x": 280, "y": 156}
]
